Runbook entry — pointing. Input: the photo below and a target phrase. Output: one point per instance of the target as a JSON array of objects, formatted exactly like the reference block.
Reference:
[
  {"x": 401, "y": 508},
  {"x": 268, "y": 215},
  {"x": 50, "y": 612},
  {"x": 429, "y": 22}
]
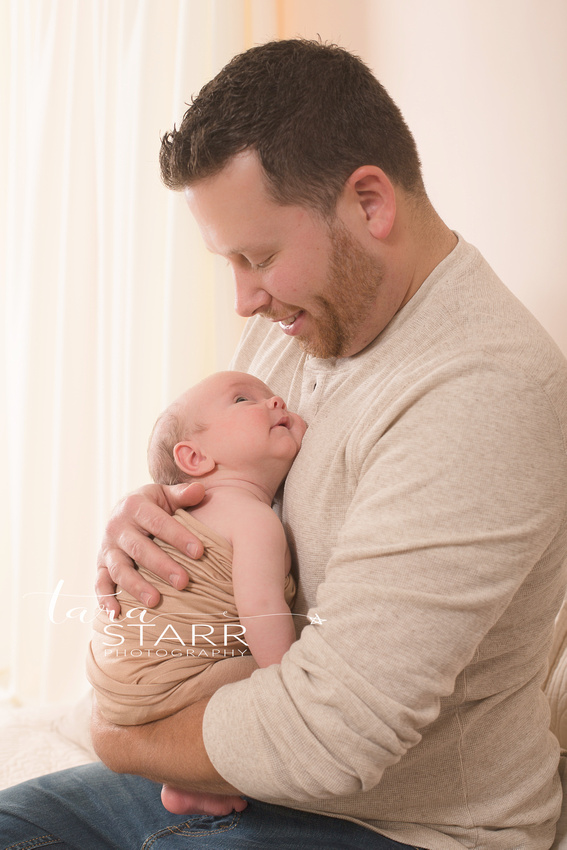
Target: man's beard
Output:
[{"x": 353, "y": 282}]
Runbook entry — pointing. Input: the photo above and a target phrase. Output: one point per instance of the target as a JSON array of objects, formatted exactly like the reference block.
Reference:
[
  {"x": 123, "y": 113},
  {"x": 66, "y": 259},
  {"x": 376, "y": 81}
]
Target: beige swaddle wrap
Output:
[{"x": 150, "y": 663}]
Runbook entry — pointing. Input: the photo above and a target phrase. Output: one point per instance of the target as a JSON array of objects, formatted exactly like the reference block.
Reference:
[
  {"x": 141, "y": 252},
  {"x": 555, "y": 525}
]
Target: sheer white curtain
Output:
[{"x": 110, "y": 305}]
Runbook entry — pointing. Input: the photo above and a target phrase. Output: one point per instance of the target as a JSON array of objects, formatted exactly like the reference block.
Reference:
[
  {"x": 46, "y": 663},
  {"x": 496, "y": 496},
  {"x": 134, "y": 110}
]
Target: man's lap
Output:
[{"x": 91, "y": 808}]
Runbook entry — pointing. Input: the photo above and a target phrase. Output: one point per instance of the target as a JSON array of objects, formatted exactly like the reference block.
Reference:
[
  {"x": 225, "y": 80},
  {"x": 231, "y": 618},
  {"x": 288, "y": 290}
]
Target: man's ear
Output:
[
  {"x": 190, "y": 459},
  {"x": 375, "y": 194}
]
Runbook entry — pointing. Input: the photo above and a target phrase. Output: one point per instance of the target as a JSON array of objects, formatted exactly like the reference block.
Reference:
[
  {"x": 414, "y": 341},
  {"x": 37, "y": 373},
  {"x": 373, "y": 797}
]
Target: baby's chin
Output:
[{"x": 297, "y": 432}]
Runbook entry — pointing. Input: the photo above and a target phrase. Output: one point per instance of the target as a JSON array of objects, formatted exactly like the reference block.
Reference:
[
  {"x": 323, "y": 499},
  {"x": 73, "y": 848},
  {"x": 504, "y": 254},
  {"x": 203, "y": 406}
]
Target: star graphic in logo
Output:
[{"x": 316, "y": 620}]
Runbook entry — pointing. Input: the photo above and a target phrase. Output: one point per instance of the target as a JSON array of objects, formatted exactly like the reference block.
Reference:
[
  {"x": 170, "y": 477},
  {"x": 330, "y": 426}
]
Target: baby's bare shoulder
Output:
[
  {"x": 248, "y": 510},
  {"x": 235, "y": 514}
]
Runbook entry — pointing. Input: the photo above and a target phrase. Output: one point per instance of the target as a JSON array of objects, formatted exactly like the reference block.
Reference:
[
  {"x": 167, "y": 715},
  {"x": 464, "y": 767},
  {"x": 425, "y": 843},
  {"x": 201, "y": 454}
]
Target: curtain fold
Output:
[{"x": 110, "y": 304}]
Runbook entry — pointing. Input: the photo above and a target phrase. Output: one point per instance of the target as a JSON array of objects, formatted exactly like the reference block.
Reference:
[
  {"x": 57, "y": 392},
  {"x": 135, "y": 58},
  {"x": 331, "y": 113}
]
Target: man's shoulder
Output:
[{"x": 466, "y": 314}]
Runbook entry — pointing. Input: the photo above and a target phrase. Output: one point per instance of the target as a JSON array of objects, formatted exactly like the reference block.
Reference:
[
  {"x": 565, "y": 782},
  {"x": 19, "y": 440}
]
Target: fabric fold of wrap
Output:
[{"x": 149, "y": 663}]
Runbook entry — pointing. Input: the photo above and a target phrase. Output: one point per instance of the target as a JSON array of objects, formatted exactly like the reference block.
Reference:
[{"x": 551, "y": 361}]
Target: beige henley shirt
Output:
[{"x": 426, "y": 512}]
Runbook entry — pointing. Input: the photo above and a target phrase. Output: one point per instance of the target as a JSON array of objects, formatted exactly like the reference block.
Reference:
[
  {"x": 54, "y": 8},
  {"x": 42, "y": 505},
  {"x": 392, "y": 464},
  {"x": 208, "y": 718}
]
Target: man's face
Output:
[
  {"x": 350, "y": 297},
  {"x": 289, "y": 265}
]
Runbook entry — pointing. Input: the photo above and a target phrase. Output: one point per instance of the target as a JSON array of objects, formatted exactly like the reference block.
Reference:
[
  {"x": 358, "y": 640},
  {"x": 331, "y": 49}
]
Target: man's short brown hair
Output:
[{"x": 314, "y": 113}]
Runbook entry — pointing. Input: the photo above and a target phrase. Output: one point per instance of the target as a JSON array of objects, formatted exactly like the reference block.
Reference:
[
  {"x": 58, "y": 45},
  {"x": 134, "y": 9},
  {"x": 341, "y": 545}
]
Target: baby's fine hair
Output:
[{"x": 170, "y": 429}]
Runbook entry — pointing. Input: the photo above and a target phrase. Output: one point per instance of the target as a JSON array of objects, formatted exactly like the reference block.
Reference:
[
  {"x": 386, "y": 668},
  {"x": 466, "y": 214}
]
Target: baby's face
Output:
[{"x": 244, "y": 420}]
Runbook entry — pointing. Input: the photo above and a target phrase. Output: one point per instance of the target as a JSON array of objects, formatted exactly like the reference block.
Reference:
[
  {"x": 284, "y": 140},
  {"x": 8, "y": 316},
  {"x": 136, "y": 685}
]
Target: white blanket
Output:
[{"x": 36, "y": 740}]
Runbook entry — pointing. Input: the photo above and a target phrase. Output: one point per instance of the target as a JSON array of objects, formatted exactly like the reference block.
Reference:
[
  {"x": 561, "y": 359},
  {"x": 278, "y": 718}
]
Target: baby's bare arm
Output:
[{"x": 259, "y": 569}]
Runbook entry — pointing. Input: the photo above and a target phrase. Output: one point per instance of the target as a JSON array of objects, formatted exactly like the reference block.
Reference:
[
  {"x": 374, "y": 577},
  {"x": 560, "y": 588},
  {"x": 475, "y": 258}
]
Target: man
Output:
[{"x": 426, "y": 509}]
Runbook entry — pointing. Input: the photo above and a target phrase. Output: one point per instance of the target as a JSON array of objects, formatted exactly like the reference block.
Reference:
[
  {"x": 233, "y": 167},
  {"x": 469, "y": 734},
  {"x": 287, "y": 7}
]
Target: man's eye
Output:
[{"x": 264, "y": 264}]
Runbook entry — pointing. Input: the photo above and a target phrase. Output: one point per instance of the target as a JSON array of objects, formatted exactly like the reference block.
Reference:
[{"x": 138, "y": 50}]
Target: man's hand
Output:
[{"x": 144, "y": 514}]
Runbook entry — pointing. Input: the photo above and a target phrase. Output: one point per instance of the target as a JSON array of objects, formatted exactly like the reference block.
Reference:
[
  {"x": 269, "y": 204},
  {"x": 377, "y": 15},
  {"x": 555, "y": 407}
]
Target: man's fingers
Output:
[
  {"x": 137, "y": 519},
  {"x": 116, "y": 568},
  {"x": 105, "y": 588},
  {"x": 184, "y": 495},
  {"x": 152, "y": 520},
  {"x": 128, "y": 578}
]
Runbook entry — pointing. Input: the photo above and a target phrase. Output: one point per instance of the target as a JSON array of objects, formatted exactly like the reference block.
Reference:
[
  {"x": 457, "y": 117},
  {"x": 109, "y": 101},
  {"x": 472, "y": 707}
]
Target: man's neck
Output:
[{"x": 431, "y": 241}]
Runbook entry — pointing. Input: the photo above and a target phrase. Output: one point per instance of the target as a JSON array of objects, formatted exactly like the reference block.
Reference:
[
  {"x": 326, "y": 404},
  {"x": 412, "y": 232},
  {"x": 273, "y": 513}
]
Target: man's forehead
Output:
[
  {"x": 233, "y": 208},
  {"x": 243, "y": 171}
]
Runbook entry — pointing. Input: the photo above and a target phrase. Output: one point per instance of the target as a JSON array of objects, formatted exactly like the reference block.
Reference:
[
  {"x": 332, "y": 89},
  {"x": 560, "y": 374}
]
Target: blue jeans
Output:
[{"x": 91, "y": 808}]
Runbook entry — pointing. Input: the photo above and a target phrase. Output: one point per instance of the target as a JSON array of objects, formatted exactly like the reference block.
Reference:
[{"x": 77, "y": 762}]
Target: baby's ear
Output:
[{"x": 190, "y": 459}]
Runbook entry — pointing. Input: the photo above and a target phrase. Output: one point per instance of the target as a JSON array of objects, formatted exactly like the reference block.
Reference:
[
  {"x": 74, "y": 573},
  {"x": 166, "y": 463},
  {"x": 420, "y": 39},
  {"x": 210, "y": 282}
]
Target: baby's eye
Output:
[{"x": 240, "y": 398}]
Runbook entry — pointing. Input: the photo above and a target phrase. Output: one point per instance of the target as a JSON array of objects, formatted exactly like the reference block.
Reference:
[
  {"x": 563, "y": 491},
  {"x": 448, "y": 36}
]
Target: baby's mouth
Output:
[{"x": 285, "y": 421}]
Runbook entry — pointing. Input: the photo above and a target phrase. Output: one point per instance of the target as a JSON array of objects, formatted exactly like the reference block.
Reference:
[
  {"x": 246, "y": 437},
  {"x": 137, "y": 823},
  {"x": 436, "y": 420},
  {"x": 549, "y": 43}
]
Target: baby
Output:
[{"x": 237, "y": 439}]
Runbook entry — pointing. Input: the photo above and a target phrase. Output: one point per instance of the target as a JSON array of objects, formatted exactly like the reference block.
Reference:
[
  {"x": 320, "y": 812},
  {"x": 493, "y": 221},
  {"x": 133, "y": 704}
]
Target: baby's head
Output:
[{"x": 230, "y": 421}]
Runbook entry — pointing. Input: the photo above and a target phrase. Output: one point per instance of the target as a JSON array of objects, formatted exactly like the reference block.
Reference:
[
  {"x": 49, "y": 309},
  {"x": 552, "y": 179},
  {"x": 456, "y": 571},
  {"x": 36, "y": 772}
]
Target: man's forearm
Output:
[{"x": 169, "y": 750}]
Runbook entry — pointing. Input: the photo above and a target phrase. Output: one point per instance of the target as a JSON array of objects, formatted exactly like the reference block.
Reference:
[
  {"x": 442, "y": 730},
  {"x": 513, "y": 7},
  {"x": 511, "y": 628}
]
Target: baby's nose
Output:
[{"x": 276, "y": 402}]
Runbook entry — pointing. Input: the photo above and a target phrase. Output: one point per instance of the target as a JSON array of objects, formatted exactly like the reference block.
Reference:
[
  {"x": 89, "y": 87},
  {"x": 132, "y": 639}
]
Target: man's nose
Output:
[{"x": 249, "y": 298}]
